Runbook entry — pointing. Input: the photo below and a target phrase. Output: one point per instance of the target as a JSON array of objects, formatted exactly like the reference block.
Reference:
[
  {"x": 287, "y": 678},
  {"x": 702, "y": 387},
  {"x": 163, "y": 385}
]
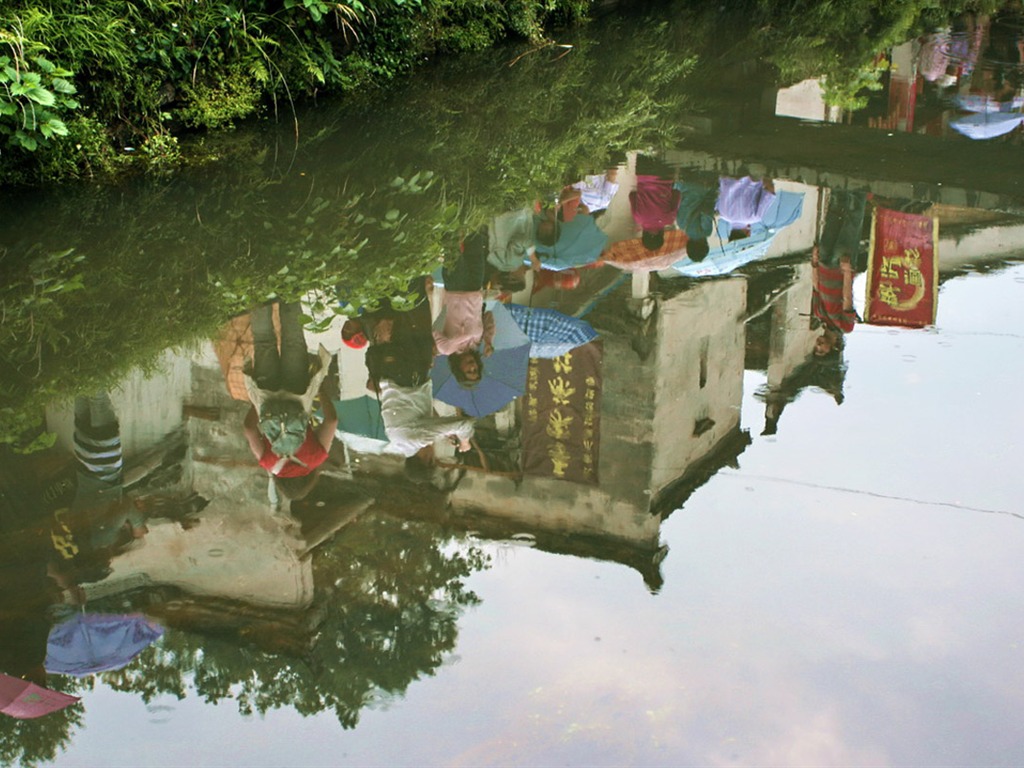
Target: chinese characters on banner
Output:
[
  {"x": 903, "y": 269},
  {"x": 562, "y": 415}
]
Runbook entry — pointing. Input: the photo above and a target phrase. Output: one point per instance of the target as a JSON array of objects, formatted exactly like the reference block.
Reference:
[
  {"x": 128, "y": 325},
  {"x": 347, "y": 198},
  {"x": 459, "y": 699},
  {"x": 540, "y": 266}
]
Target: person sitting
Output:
[
  {"x": 832, "y": 269},
  {"x": 654, "y": 203},
  {"x": 744, "y": 202},
  {"x": 463, "y": 323},
  {"x": 466, "y": 366},
  {"x": 410, "y": 423},
  {"x": 281, "y": 389}
]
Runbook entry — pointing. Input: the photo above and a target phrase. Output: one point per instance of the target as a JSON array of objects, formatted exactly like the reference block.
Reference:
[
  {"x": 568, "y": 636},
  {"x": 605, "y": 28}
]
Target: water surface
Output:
[{"x": 777, "y": 564}]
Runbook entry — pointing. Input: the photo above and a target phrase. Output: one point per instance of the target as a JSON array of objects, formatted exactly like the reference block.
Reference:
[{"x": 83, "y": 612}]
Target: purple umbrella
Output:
[
  {"x": 24, "y": 700},
  {"x": 97, "y": 642}
]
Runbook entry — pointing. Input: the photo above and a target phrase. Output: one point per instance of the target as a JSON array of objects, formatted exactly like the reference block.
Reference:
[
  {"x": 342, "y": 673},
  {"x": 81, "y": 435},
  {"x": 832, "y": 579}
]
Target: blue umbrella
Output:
[
  {"x": 987, "y": 125},
  {"x": 97, "y": 642},
  {"x": 551, "y": 332},
  {"x": 504, "y": 373}
]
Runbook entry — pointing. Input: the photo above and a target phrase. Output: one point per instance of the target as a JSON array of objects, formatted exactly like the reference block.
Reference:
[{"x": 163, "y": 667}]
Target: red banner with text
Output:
[{"x": 903, "y": 269}]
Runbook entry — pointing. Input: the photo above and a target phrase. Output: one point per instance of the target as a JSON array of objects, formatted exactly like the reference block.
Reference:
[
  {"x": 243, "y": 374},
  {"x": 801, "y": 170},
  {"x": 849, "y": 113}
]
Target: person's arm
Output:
[
  {"x": 329, "y": 426},
  {"x": 847, "y": 268},
  {"x": 677, "y": 198},
  {"x": 488, "y": 335},
  {"x": 252, "y": 433},
  {"x": 382, "y": 331},
  {"x": 426, "y": 430},
  {"x": 814, "y": 267},
  {"x": 441, "y": 343}
]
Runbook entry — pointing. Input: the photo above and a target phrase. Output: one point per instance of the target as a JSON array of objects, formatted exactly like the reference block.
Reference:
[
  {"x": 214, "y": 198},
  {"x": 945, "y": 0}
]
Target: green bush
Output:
[
  {"x": 36, "y": 95},
  {"x": 148, "y": 67},
  {"x": 221, "y": 103},
  {"x": 85, "y": 152}
]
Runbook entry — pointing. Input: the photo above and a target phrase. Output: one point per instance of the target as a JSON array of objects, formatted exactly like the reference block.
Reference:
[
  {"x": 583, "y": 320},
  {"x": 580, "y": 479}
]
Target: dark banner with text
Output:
[{"x": 562, "y": 415}]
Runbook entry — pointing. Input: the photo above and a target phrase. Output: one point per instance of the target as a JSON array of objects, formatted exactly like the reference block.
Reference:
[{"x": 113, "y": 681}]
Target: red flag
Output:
[
  {"x": 24, "y": 700},
  {"x": 903, "y": 269}
]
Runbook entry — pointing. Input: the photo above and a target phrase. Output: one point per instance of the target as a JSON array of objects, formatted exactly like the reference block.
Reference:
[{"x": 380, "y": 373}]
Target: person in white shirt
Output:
[{"x": 411, "y": 426}]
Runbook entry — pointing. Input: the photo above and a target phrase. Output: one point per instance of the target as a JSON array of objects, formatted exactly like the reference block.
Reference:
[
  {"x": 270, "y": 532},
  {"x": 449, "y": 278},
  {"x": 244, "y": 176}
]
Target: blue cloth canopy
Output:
[
  {"x": 982, "y": 102},
  {"x": 724, "y": 259},
  {"x": 97, "y": 642},
  {"x": 784, "y": 210}
]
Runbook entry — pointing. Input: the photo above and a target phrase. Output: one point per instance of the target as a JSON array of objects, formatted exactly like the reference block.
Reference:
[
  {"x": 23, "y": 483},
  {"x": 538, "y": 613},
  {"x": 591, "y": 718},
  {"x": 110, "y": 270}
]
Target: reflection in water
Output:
[
  {"x": 385, "y": 604},
  {"x": 497, "y": 331}
]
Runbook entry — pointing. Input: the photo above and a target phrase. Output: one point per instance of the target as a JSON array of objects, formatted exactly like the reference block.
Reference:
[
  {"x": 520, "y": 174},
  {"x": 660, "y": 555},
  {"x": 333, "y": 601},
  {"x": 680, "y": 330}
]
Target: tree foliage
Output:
[
  {"x": 417, "y": 169},
  {"x": 389, "y": 593},
  {"x": 844, "y": 41},
  {"x": 150, "y": 68}
]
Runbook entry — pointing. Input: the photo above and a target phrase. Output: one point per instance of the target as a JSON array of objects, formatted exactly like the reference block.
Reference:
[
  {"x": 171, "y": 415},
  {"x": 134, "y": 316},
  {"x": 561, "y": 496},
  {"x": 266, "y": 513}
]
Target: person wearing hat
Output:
[
  {"x": 281, "y": 388},
  {"x": 353, "y": 334}
]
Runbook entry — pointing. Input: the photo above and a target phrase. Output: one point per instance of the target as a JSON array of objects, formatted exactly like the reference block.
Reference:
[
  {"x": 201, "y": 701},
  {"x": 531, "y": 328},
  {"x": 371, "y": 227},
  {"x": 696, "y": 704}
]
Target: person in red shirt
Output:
[
  {"x": 278, "y": 427},
  {"x": 654, "y": 203},
  {"x": 832, "y": 263}
]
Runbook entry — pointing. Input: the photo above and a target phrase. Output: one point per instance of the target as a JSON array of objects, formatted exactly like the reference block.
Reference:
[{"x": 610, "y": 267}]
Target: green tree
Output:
[{"x": 389, "y": 594}]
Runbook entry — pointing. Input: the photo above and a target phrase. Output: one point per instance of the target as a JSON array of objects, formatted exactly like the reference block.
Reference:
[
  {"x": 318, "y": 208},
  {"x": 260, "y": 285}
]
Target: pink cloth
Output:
[
  {"x": 24, "y": 700},
  {"x": 465, "y": 324},
  {"x": 654, "y": 202}
]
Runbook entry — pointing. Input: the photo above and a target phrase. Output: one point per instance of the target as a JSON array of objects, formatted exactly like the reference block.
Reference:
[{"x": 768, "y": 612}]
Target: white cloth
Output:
[
  {"x": 597, "y": 191},
  {"x": 510, "y": 239},
  {"x": 409, "y": 421},
  {"x": 743, "y": 202}
]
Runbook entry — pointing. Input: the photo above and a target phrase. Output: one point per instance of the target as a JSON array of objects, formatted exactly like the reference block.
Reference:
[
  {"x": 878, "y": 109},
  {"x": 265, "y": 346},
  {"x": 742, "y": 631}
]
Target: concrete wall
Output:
[{"x": 699, "y": 330}]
